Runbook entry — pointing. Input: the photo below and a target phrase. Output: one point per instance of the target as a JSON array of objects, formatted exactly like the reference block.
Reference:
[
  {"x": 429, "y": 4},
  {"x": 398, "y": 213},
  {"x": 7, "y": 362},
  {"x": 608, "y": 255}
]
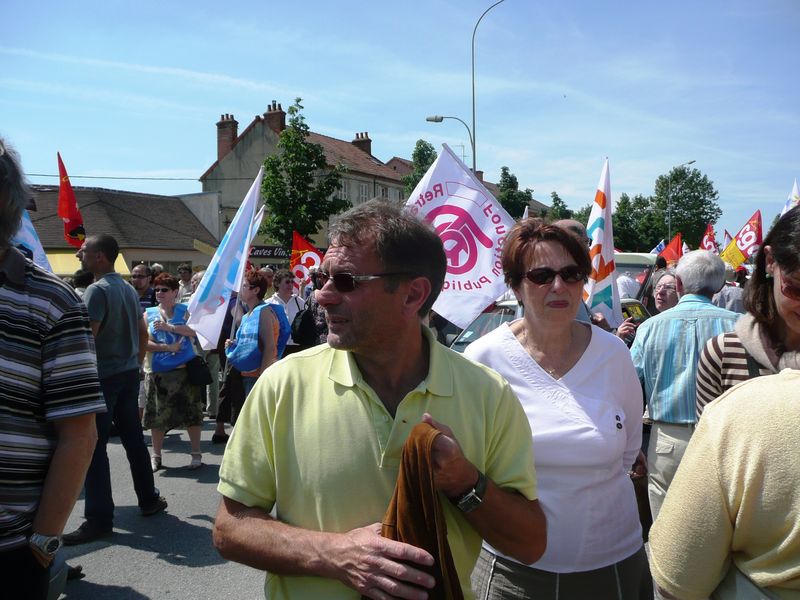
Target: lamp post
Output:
[
  {"x": 474, "y": 158},
  {"x": 669, "y": 197},
  {"x": 440, "y": 118}
]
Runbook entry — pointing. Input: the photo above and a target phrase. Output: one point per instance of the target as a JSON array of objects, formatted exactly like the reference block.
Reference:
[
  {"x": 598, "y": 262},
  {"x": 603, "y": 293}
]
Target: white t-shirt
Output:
[
  {"x": 292, "y": 307},
  {"x": 587, "y": 431}
]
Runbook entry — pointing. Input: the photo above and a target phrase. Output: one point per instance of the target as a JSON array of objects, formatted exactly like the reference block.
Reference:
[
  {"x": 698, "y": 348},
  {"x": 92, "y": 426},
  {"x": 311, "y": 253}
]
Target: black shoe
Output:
[
  {"x": 87, "y": 532},
  {"x": 75, "y": 572},
  {"x": 220, "y": 438},
  {"x": 155, "y": 507}
]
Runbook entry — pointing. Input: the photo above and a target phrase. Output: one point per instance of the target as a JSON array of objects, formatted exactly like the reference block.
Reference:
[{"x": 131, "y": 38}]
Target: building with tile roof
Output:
[{"x": 149, "y": 228}]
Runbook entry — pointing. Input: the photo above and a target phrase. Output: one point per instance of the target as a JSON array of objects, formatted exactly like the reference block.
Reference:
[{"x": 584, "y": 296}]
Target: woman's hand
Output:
[
  {"x": 163, "y": 326},
  {"x": 229, "y": 343}
]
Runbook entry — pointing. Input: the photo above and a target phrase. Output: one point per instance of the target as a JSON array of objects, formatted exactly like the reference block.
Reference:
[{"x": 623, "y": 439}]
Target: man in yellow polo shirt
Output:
[{"x": 320, "y": 437}]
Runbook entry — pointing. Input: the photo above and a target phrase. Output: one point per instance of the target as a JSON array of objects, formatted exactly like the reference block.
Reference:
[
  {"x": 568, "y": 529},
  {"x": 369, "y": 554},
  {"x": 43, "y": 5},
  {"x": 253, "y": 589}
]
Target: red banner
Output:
[
  {"x": 674, "y": 250},
  {"x": 304, "y": 257},
  {"x": 745, "y": 243},
  {"x": 709, "y": 242},
  {"x": 74, "y": 232}
]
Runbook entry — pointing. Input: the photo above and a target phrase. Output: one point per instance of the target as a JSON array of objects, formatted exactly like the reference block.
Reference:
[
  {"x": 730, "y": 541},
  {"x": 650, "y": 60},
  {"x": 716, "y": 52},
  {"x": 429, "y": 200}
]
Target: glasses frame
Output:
[
  {"x": 344, "y": 282},
  {"x": 570, "y": 275},
  {"x": 163, "y": 290},
  {"x": 789, "y": 290}
]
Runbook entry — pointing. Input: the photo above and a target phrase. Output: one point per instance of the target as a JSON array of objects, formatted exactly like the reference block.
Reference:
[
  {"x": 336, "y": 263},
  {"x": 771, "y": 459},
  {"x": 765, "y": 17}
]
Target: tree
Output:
[
  {"x": 582, "y": 214},
  {"x": 558, "y": 209},
  {"x": 299, "y": 186},
  {"x": 421, "y": 160},
  {"x": 693, "y": 200},
  {"x": 510, "y": 196}
]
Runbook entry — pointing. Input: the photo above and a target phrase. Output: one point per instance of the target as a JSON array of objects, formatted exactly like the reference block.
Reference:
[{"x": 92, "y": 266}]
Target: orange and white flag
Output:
[
  {"x": 304, "y": 257},
  {"x": 745, "y": 243},
  {"x": 600, "y": 292},
  {"x": 709, "y": 242}
]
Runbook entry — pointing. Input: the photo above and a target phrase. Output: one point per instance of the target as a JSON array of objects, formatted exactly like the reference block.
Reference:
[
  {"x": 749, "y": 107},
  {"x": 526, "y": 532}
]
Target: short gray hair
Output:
[
  {"x": 14, "y": 193},
  {"x": 701, "y": 272}
]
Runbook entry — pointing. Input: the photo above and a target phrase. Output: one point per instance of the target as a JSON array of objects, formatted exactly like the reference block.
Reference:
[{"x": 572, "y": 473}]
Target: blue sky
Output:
[{"x": 135, "y": 89}]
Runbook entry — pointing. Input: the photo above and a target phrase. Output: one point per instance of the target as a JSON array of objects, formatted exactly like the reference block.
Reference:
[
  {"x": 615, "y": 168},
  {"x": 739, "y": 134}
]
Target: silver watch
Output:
[{"x": 48, "y": 544}]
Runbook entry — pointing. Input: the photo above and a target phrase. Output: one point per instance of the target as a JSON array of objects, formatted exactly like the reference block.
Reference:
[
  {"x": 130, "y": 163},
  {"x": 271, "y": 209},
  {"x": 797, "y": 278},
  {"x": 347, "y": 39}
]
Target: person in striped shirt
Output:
[
  {"x": 49, "y": 394},
  {"x": 766, "y": 339}
]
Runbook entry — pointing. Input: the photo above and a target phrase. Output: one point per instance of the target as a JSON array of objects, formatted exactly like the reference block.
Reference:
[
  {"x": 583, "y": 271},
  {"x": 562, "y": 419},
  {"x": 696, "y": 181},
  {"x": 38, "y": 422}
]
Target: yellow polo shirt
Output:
[{"x": 315, "y": 442}]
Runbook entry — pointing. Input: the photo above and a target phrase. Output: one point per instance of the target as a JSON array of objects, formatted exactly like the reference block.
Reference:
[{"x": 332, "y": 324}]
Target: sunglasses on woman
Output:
[
  {"x": 346, "y": 282},
  {"x": 789, "y": 289},
  {"x": 545, "y": 275},
  {"x": 161, "y": 290}
]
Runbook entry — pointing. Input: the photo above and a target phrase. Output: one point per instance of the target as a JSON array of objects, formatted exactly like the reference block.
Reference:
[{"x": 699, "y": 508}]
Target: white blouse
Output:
[{"x": 587, "y": 431}]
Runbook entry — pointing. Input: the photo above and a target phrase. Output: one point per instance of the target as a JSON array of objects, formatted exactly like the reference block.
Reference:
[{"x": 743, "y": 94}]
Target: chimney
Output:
[
  {"x": 275, "y": 117},
  {"x": 227, "y": 132},
  {"x": 479, "y": 175},
  {"x": 363, "y": 143}
]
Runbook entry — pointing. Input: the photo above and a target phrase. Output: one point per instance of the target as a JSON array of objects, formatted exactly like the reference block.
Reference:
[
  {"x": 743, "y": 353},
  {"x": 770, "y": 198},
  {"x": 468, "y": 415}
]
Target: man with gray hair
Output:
[
  {"x": 665, "y": 354},
  {"x": 730, "y": 296},
  {"x": 49, "y": 394}
]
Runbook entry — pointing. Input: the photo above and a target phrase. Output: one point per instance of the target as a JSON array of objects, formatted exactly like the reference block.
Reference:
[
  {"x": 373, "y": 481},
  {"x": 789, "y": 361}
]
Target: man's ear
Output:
[
  {"x": 678, "y": 286},
  {"x": 417, "y": 292}
]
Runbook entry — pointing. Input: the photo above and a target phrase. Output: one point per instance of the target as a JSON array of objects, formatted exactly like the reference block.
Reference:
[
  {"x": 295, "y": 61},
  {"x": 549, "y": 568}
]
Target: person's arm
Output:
[
  {"x": 266, "y": 338},
  {"x": 361, "y": 559},
  {"x": 506, "y": 519},
  {"x": 709, "y": 374},
  {"x": 77, "y": 437},
  {"x": 144, "y": 337}
]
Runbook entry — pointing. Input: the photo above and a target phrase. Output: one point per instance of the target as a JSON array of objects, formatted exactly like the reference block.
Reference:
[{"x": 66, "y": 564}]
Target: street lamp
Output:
[
  {"x": 474, "y": 133},
  {"x": 669, "y": 196},
  {"x": 440, "y": 118}
]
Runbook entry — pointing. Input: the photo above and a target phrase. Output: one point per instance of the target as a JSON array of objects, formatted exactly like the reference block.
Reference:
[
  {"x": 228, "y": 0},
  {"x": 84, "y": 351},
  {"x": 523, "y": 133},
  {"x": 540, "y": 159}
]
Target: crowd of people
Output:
[{"x": 373, "y": 461}]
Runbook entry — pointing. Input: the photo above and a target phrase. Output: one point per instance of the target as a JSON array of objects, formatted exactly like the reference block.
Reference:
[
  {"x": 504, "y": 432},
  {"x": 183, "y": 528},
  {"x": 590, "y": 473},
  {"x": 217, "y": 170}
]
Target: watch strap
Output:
[{"x": 474, "y": 497}]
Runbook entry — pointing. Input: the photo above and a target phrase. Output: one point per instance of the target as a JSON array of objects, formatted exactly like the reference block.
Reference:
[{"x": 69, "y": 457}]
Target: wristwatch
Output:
[
  {"x": 474, "y": 497},
  {"x": 48, "y": 544}
]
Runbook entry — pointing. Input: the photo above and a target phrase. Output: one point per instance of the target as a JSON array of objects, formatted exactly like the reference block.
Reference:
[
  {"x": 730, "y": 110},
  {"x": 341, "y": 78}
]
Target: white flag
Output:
[
  {"x": 27, "y": 241},
  {"x": 473, "y": 226},
  {"x": 209, "y": 303},
  {"x": 793, "y": 199},
  {"x": 600, "y": 292},
  {"x": 525, "y": 213},
  {"x": 659, "y": 247}
]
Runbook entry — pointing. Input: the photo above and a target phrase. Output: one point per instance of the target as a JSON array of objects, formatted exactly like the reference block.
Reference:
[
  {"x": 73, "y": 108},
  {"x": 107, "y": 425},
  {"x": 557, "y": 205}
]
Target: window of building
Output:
[
  {"x": 344, "y": 192},
  {"x": 384, "y": 191},
  {"x": 363, "y": 192}
]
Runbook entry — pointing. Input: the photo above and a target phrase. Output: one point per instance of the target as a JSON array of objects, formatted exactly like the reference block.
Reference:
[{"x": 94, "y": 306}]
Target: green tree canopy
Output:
[
  {"x": 558, "y": 209},
  {"x": 421, "y": 160},
  {"x": 693, "y": 200},
  {"x": 299, "y": 186},
  {"x": 582, "y": 214},
  {"x": 510, "y": 196}
]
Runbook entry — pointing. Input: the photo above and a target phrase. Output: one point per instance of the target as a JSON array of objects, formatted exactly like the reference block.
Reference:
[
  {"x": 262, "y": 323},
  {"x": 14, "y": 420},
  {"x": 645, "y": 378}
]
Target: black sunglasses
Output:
[
  {"x": 346, "y": 282},
  {"x": 545, "y": 275},
  {"x": 161, "y": 290}
]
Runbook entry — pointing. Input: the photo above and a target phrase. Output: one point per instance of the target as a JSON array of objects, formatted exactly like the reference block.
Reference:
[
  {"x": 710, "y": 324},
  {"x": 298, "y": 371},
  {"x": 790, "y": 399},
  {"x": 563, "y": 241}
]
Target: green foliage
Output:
[
  {"x": 421, "y": 159},
  {"x": 299, "y": 186},
  {"x": 582, "y": 214},
  {"x": 510, "y": 196},
  {"x": 694, "y": 203},
  {"x": 558, "y": 209}
]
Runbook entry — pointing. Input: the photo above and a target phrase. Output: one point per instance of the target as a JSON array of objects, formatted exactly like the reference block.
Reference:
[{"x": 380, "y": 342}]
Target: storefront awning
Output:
[{"x": 66, "y": 263}]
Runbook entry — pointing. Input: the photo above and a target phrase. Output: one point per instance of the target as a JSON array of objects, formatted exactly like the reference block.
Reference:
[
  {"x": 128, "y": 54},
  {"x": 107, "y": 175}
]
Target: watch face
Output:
[{"x": 52, "y": 546}]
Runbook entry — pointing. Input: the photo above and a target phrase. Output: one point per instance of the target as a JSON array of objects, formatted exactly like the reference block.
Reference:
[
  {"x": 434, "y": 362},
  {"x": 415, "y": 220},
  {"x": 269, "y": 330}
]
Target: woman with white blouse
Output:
[{"x": 584, "y": 403}]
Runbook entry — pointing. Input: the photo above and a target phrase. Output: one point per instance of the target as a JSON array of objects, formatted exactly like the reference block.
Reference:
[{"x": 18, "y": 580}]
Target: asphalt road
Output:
[{"x": 169, "y": 555}]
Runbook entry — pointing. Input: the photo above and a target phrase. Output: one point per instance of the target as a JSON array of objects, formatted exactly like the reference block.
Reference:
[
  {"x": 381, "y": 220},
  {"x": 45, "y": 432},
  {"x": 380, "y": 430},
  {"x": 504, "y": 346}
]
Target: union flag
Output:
[
  {"x": 304, "y": 257},
  {"x": 74, "y": 232}
]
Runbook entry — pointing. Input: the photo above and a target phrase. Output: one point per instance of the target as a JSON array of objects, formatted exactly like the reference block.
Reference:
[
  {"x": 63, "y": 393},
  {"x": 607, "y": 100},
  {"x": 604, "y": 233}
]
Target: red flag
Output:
[
  {"x": 674, "y": 250},
  {"x": 74, "y": 232},
  {"x": 304, "y": 257},
  {"x": 709, "y": 242},
  {"x": 745, "y": 244}
]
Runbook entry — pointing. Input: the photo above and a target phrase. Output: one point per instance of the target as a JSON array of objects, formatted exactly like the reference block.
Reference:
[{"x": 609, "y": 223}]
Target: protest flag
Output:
[
  {"x": 223, "y": 276},
  {"x": 685, "y": 249},
  {"x": 793, "y": 199},
  {"x": 709, "y": 242},
  {"x": 659, "y": 247},
  {"x": 473, "y": 226},
  {"x": 673, "y": 251},
  {"x": 525, "y": 212},
  {"x": 726, "y": 239},
  {"x": 745, "y": 243},
  {"x": 26, "y": 240},
  {"x": 74, "y": 232},
  {"x": 304, "y": 257},
  {"x": 600, "y": 291}
]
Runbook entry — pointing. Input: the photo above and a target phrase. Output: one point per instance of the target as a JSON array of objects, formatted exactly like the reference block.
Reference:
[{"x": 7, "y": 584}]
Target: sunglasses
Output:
[
  {"x": 789, "y": 289},
  {"x": 161, "y": 290},
  {"x": 139, "y": 276},
  {"x": 346, "y": 282},
  {"x": 546, "y": 275}
]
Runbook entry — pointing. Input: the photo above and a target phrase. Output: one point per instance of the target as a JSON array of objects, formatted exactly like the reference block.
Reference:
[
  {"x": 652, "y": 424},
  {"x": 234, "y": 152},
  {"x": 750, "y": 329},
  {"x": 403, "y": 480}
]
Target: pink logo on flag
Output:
[{"x": 459, "y": 237}]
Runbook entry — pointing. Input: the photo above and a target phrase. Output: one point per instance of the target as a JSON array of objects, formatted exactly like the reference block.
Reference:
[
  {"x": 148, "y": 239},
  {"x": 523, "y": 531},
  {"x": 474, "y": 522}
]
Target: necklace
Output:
[{"x": 559, "y": 365}]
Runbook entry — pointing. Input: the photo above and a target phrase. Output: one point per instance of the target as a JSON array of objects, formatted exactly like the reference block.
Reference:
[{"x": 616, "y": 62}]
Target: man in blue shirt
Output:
[{"x": 665, "y": 353}]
